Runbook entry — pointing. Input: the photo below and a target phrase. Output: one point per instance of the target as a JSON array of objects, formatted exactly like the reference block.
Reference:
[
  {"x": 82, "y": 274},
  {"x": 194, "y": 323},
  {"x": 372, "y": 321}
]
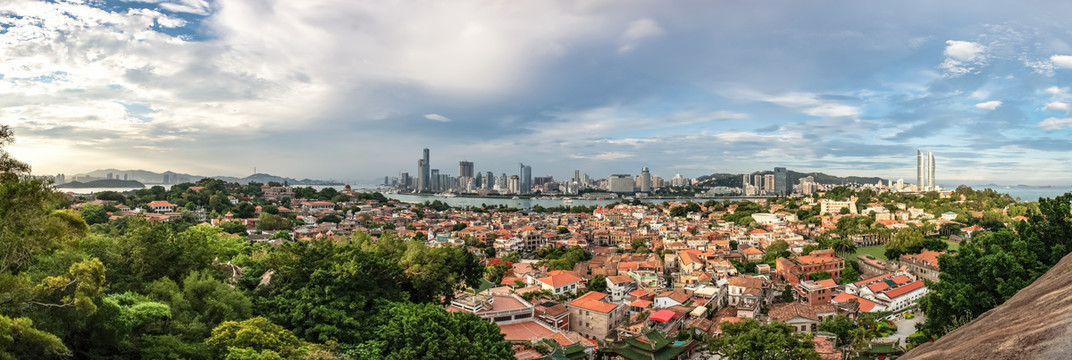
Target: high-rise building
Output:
[
  {"x": 768, "y": 183},
  {"x": 757, "y": 181},
  {"x": 489, "y": 180},
  {"x": 125, "y": 177},
  {"x": 525, "y": 178},
  {"x": 61, "y": 179},
  {"x": 930, "y": 166},
  {"x": 424, "y": 173},
  {"x": 577, "y": 176},
  {"x": 919, "y": 170},
  {"x": 386, "y": 180},
  {"x": 403, "y": 180},
  {"x": 514, "y": 184},
  {"x": 782, "y": 187},
  {"x": 167, "y": 179},
  {"x": 620, "y": 183},
  {"x": 478, "y": 181},
  {"x": 745, "y": 182},
  {"x": 645, "y": 180},
  {"x": 465, "y": 169},
  {"x": 422, "y": 180},
  {"x": 433, "y": 184}
]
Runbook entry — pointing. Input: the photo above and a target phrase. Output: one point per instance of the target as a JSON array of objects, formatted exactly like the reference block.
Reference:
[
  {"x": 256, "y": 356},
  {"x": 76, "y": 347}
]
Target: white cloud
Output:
[
  {"x": 607, "y": 156},
  {"x": 1058, "y": 106},
  {"x": 1056, "y": 123},
  {"x": 437, "y": 117},
  {"x": 989, "y": 105},
  {"x": 638, "y": 31},
  {"x": 1064, "y": 61},
  {"x": 963, "y": 57},
  {"x": 813, "y": 105}
]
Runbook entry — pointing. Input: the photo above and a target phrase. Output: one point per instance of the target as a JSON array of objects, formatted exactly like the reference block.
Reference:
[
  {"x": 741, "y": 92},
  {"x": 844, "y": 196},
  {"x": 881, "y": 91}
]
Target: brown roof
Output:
[
  {"x": 678, "y": 296},
  {"x": 792, "y": 310}
]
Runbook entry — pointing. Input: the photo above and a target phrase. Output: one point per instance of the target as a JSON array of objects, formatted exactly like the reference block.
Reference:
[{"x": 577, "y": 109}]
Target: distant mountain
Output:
[
  {"x": 151, "y": 177},
  {"x": 736, "y": 180},
  {"x": 103, "y": 184}
]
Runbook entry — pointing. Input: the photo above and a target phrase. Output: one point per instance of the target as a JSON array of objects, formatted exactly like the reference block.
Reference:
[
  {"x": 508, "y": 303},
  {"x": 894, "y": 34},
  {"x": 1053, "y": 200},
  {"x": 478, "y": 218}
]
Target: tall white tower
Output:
[{"x": 930, "y": 167}]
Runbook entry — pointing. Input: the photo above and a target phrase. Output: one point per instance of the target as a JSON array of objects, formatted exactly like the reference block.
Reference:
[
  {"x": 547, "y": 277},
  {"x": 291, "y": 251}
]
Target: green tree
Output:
[
  {"x": 678, "y": 211},
  {"x": 598, "y": 283},
  {"x": 749, "y": 340},
  {"x": 427, "y": 331},
  {"x": 849, "y": 275},
  {"x": 233, "y": 227},
  {"x": 245, "y": 210},
  {"x": 839, "y": 325},
  {"x": 200, "y": 304},
  {"x": 787, "y": 294},
  {"x": 271, "y": 222},
  {"x": 256, "y": 338},
  {"x": 20, "y": 340},
  {"x": 819, "y": 275},
  {"x": 905, "y": 241},
  {"x": 93, "y": 214},
  {"x": 777, "y": 249}
]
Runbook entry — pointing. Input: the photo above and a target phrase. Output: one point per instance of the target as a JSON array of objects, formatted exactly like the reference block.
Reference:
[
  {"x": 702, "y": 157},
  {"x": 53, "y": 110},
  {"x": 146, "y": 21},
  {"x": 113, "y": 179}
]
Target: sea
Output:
[{"x": 1023, "y": 193}]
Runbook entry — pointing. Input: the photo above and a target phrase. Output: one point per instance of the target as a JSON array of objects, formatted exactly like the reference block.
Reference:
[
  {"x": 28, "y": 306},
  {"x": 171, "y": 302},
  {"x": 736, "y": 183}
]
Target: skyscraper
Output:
[
  {"x": 645, "y": 180},
  {"x": 424, "y": 181},
  {"x": 478, "y": 181},
  {"x": 930, "y": 166},
  {"x": 919, "y": 170},
  {"x": 768, "y": 183},
  {"x": 524, "y": 178},
  {"x": 465, "y": 169},
  {"x": 745, "y": 182},
  {"x": 782, "y": 187},
  {"x": 577, "y": 176},
  {"x": 489, "y": 180},
  {"x": 757, "y": 181},
  {"x": 433, "y": 182}
]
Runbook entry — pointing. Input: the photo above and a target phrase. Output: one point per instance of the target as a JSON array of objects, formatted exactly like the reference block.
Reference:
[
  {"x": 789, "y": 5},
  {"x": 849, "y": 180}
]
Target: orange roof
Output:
[
  {"x": 865, "y": 305},
  {"x": 561, "y": 278},
  {"x": 620, "y": 279},
  {"x": 904, "y": 289},
  {"x": 878, "y": 287},
  {"x": 160, "y": 203},
  {"x": 874, "y": 279},
  {"x": 826, "y": 283},
  {"x": 593, "y": 301},
  {"x": 752, "y": 251},
  {"x": 641, "y": 303},
  {"x": 758, "y": 231}
]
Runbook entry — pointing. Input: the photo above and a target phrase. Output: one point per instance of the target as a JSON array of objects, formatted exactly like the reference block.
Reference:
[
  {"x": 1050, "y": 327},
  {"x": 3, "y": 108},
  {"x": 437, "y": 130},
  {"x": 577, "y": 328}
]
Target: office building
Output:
[
  {"x": 930, "y": 174},
  {"x": 919, "y": 170},
  {"x": 489, "y": 180},
  {"x": 768, "y": 183},
  {"x": 645, "y": 180},
  {"x": 620, "y": 183},
  {"x": 514, "y": 184},
  {"x": 782, "y": 187},
  {"x": 465, "y": 169},
  {"x": 525, "y": 178},
  {"x": 576, "y": 176}
]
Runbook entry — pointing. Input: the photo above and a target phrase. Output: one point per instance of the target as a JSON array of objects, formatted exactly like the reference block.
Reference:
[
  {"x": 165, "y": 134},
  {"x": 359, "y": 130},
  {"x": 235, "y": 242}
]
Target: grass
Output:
[{"x": 879, "y": 251}]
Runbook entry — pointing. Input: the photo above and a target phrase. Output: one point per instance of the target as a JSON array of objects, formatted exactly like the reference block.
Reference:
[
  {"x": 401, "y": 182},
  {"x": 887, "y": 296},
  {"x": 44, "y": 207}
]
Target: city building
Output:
[
  {"x": 919, "y": 170},
  {"x": 782, "y": 187},
  {"x": 593, "y": 317},
  {"x": 800, "y": 268},
  {"x": 645, "y": 180},
  {"x": 768, "y": 183},
  {"x": 424, "y": 173},
  {"x": 465, "y": 169},
  {"x": 525, "y": 178},
  {"x": 930, "y": 175},
  {"x": 620, "y": 183},
  {"x": 923, "y": 265}
]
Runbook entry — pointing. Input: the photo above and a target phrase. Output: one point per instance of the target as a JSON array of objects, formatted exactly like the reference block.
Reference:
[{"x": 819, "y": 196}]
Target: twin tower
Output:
[{"x": 925, "y": 171}]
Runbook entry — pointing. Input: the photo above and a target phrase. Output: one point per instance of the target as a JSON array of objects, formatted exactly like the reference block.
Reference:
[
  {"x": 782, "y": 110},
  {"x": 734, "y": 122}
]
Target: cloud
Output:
[
  {"x": 1056, "y": 123},
  {"x": 437, "y": 117},
  {"x": 607, "y": 156},
  {"x": 963, "y": 57},
  {"x": 989, "y": 105},
  {"x": 637, "y": 32},
  {"x": 1063, "y": 61},
  {"x": 1058, "y": 106},
  {"x": 814, "y": 104}
]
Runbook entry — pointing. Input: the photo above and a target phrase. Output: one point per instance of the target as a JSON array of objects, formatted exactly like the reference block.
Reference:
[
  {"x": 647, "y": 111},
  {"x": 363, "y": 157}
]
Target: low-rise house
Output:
[
  {"x": 559, "y": 282},
  {"x": 798, "y": 268},
  {"x": 670, "y": 298},
  {"x": 816, "y": 292},
  {"x": 618, "y": 287},
  {"x": 595, "y": 318},
  {"x": 161, "y": 206},
  {"x": 748, "y": 294},
  {"x": 802, "y": 317},
  {"x": 923, "y": 265}
]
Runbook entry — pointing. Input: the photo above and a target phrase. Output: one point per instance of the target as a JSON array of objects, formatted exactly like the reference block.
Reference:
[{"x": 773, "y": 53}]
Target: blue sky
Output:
[{"x": 354, "y": 90}]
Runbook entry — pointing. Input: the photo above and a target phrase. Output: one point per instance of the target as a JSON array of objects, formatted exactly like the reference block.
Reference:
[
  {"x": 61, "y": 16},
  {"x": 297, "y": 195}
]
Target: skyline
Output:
[{"x": 296, "y": 89}]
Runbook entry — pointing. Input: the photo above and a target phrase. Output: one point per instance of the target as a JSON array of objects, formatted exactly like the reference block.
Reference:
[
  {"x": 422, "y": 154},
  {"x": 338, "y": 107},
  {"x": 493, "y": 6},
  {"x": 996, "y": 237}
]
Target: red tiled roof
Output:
[
  {"x": 865, "y": 305},
  {"x": 904, "y": 289},
  {"x": 525, "y": 331},
  {"x": 160, "y": 203},
  {"x": 641, "y": 303},
  {"x": 826, "y": 283},
  {"x": 593, "y": 301}
]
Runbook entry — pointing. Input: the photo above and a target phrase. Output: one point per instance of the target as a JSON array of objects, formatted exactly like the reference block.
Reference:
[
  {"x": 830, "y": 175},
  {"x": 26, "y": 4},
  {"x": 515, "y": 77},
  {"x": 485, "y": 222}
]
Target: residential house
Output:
[
  {"x": 595, "y": 318},
  {"x": 802, "y": 317}
]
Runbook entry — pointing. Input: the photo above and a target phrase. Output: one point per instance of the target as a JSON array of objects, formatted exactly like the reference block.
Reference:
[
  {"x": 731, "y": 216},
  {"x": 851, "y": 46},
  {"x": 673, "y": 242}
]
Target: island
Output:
[{"x": 104, "y": 184}]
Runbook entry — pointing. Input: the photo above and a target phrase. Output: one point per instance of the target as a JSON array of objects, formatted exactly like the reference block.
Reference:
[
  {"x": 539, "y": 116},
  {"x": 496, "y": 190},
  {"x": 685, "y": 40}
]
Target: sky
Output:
[{"x": 355, "y": 89}]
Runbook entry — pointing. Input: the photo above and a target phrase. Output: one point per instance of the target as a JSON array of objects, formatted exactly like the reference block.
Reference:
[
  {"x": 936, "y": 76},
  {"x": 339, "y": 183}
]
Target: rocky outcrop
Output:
[{"x": 1036, "y": 323}]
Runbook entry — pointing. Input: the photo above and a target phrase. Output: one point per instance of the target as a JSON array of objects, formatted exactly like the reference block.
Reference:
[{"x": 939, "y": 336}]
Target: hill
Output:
[
  {"x": 735, "y": 180},
  {"x": 103, "y": 184},
  {"x": 150, "y": 177},
  {"x": 1030, "y": 325}
]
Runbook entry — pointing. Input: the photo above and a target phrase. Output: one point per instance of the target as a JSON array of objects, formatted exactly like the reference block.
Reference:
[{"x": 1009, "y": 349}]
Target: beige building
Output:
[{"x": 595, "y": 318}]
